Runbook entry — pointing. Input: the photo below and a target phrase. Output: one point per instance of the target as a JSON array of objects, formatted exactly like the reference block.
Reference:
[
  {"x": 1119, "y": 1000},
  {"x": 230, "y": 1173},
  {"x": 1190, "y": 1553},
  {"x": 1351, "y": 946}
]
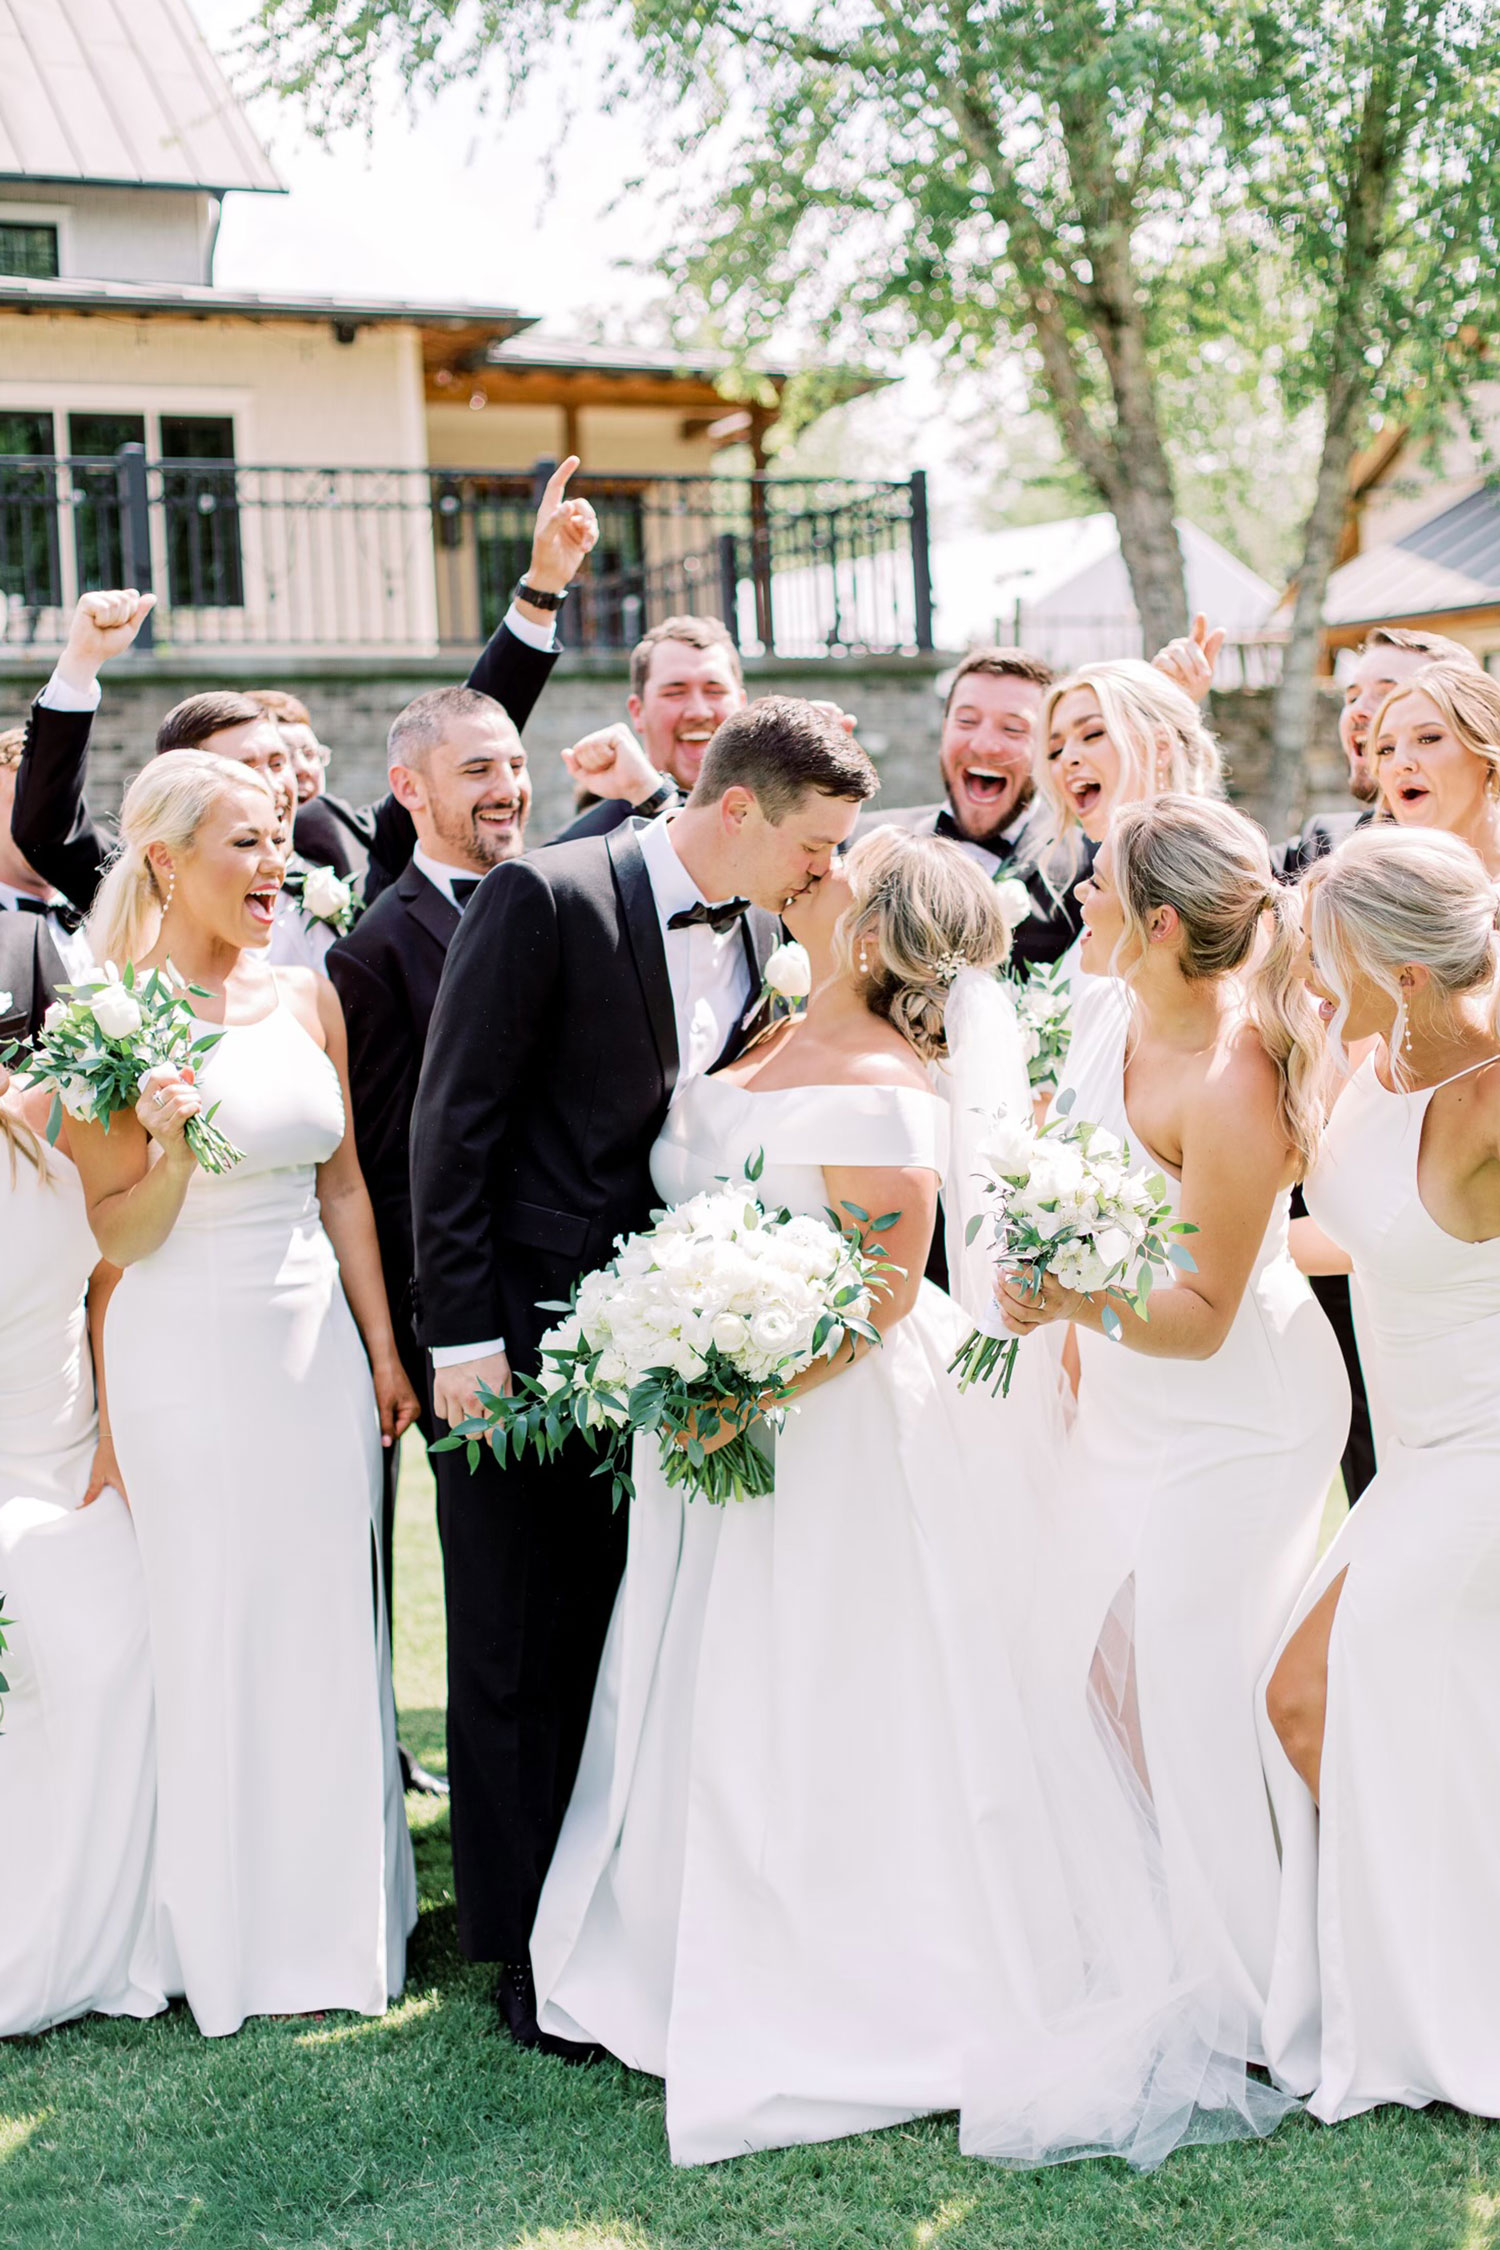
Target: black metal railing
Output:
[{"x": 407, "y": 560}]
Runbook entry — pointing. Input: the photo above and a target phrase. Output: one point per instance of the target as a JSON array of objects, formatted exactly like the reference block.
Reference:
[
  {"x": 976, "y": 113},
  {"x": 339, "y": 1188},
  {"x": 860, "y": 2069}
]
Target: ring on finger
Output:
[{"x": 160, "y": 1099}]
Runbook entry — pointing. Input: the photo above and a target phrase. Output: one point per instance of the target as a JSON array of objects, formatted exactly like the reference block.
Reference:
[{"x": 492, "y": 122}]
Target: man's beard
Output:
[
  {"x": 1363, "y": 787},
  {"x": 1003, "y": 820},
  {"x": 483, "y": 847}
]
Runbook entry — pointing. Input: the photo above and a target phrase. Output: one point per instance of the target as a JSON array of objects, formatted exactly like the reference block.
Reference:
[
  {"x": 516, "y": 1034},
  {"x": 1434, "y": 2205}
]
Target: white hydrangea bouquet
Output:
[
  {"x": 323, "y": 897},
  {"x": 701, "y": 1322},
  {"x": 1065, "y": 1201},
  {"x": 94, "y": 1049},
  {"x": 1044, "y": 1011}
]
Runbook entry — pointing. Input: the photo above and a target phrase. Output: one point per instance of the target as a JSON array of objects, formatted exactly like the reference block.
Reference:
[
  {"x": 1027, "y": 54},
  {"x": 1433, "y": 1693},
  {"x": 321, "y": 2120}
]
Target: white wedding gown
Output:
[
  {"x": 245, "y": 1424},
  {"x": 1387, "y": 1978},
  {"x": 817, "y": 1867},
  {"x": 1193, "y": 1496},
  {"x": 77, "y": 1750}
]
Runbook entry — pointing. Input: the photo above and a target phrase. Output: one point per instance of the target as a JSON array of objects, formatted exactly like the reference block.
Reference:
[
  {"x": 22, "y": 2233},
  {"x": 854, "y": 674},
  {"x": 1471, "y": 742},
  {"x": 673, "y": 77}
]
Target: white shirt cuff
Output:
[
  {"x": 543, "y": 637},
  {"x": 58, "y": 696},
  {"x": 449, "y": 1355}
]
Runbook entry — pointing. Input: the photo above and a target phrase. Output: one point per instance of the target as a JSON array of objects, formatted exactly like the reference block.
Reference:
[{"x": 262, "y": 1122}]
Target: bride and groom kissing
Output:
[{"x": 586, "y": 985}]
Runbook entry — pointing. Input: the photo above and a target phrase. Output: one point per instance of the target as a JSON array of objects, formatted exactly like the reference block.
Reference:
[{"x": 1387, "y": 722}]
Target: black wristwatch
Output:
[
  {"x": 537, "y": 599},
  {"x": 662, "y": 796}
]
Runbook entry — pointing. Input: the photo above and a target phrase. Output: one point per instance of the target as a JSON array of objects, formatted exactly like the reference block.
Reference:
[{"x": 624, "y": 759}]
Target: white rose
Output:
[
  {"x": 1008, "y": 1146},
  {"x": 116, "y": 1012},
  {"x": 728, "y": 1333},
  {"x": 77, "y": 1097},
  {"x": 789, "y": 971},
  {"x": 1014, "y": 901},
  {"x": 324, "y": 894},
  {"x": 56, "y": 1014}
]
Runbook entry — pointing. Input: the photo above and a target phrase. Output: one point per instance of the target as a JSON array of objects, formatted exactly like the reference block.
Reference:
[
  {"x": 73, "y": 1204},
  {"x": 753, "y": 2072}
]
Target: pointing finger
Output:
[{"x": 557, "y": 485}]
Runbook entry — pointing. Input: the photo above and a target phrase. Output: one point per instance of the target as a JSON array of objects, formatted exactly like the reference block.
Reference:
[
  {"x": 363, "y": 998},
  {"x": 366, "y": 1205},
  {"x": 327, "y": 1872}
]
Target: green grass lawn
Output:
[{"x": 427, "y": 2129}]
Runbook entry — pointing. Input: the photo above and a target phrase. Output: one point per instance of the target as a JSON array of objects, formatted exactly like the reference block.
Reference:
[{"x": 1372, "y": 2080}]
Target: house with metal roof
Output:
[
  {"x": 294, "y": 472},
  {"x": 1421, "y": 540}
]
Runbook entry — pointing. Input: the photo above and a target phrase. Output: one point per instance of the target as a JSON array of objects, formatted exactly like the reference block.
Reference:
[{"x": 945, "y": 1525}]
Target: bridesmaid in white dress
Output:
[
  {"x": 1113, "y": 734},
  {"x": 240, "y": 1348},
  {"x": 1383, "y": 1741},
  {"x": 1206, "y": 1438},
  {"x": 812, "y": 1856},
  {"x": 78, "y": 1754}
]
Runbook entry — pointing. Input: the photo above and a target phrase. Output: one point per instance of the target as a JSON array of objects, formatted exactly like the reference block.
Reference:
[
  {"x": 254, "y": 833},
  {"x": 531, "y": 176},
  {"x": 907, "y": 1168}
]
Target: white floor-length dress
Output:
[
  {"x": 1192, "y": 1500},
  {"x": 245, "y": 1424},
  {"x": 77, "y": 1754},
  {"x": 813, "y": 1860},
  {"x": 1387, "y": 1977}
]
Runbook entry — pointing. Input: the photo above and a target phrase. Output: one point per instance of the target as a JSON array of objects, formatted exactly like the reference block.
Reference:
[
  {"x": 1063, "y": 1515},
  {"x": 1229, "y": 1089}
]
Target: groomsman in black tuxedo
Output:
[
  {"x": 990, "y": 810},
  {"x": 30, "y": 974},
  {"x": 582, "y": 986},
  {"x": 40, "y": 942}
]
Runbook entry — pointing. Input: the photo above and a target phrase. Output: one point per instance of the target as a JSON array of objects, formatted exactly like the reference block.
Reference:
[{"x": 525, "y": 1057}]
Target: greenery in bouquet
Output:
[
  {"x": 700, "y": 1324},
  {"x": 94, "y": 1049},
  {"x": 1044, "y": 1011},
  {"x": 323, "y": 898},
  {"x": 1065, "y": 1201}
]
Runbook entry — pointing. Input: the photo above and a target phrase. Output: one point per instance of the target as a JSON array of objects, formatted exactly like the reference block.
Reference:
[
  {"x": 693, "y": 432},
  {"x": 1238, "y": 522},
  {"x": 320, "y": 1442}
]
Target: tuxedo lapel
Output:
[
  {"x": 427, "y": 906},
  {"x": 760, "y": 934},
  {"x": 643, "y": 929}
]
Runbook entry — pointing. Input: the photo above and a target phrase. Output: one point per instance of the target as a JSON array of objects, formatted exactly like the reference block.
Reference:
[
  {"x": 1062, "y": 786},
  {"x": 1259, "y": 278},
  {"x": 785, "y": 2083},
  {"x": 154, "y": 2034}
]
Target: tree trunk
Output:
[{"x": 1296, "y": 697}]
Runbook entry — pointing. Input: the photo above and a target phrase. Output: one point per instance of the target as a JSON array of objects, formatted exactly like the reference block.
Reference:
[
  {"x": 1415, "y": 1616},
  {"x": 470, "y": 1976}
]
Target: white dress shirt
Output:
[
  {"x": 711, "y": 988},
  {"x": 71, "y": 945},
  {"x": 440, "y": 875}
]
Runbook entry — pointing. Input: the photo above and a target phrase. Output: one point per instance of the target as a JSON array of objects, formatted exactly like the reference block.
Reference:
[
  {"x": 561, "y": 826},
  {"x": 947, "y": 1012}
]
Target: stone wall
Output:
[{"x": 896, "y": 700}]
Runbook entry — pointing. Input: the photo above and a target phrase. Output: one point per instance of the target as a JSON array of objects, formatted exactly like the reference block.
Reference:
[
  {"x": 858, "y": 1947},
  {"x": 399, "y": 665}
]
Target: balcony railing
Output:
[{"x": 412, "y": 561}]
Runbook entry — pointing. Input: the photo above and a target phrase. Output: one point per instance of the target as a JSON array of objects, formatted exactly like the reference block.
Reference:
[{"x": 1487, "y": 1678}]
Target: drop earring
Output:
[
  {"x": 864, "y": 958},
  {"x": 171, "y": 888}
]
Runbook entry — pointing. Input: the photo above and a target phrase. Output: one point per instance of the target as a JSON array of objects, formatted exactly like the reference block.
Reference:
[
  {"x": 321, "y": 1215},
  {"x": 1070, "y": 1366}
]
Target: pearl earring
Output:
[
  {"x": 171, "y": 888},
  {"x": 864, "y": 958}
]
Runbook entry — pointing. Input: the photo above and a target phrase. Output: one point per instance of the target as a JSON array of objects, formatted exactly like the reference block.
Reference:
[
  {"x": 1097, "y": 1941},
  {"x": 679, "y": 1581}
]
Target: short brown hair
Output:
[
  {"x": 188, "y": 725},
  {"x": 1435, "y": 646},
  {"x": 697, "y": 632},
  {"x": 277, "y": 703},
  {"x": 416, "y": 732},
  {"x": 1001, "y": 664},
  {"x": 778, "y": 749}
]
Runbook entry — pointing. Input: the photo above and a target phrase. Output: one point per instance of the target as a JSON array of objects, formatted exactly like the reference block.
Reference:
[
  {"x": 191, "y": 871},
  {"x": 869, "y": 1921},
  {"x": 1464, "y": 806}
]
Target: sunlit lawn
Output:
[{"x": 428, "y": 2129}]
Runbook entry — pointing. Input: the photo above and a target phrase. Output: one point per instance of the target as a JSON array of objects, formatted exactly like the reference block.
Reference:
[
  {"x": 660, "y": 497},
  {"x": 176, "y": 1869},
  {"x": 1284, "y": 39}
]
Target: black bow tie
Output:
[
  {"x": 68, "y": 917},
  {"x": 946, "y": 825},
  {"x": 719, "y": 918},
  {"x": 463, "y": 888}
]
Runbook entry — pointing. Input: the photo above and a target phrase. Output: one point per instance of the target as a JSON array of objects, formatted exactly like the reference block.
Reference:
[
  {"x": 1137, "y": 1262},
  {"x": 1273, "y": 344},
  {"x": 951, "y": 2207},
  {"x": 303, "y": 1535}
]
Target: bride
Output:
[
  {"x": 810, "y": 1854},
  {"x": 240, "y": 1349}
]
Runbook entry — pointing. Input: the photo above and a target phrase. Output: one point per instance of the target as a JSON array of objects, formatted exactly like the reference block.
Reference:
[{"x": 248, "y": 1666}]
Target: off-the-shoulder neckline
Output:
[{"x": 831, "y": 1086}]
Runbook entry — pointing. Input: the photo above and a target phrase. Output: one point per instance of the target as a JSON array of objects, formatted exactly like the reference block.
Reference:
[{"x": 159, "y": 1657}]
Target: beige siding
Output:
[
  {"x": 125, "y": 234},
  {"x": 627, "y": 439}
]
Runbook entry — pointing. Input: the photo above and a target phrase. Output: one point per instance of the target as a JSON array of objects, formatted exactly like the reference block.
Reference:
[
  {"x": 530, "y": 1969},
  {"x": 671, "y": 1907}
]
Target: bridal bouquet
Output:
[
  {"x": 1044, "y": 1011},
  {"x": 1066, "y": 1202},
  {"x": 94, "y": 1050},
  {"x": 700, "y": 1323}
]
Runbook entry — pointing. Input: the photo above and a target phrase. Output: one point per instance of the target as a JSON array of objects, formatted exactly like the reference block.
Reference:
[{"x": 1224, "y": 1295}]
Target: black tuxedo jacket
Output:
[
  {"x": 30, "y": 972},
  {"x": 387, "y": 972},
  {"x": 1320, "y": 836},
  {"x": 1049, "y": 875},
  {"x": 550, "y": 1063},
  {"x": 328, "y": 832},
  {"x": 53, "y": 828}
]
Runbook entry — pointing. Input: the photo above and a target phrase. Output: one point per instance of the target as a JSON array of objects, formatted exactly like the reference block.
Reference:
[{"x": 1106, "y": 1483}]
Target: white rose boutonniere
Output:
[
  {"x": 1014, "y": 900},
  {"x": 789, "y": 971},
  {"x": 323, "y": 899}
]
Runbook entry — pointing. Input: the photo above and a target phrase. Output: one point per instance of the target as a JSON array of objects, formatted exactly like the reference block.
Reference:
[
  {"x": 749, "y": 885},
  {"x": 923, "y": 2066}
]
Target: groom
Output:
[{"x": 582, "y": 987}]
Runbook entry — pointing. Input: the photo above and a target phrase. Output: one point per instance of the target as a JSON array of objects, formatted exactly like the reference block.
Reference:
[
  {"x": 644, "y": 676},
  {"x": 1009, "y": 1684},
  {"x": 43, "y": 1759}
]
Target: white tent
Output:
[{"x": 1062, "y": 590}]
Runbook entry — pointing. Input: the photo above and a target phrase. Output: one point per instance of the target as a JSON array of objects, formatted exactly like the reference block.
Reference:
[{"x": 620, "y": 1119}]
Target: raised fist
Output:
[
  {"x": 103, "y": 625},
  {"x": 612, "y": 763}
]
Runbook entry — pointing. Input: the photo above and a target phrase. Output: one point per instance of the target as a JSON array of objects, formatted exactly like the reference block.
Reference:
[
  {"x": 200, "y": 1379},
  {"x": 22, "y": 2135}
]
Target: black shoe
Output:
[
  {"x": 416, "y": 1781},
  {"x": 515, "y": 1999}
]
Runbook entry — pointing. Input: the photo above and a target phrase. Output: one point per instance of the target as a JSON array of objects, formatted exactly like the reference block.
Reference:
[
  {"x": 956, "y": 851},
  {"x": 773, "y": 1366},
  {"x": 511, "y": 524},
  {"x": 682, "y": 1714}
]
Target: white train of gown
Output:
[
  {"x": 78, "y": 1754},
  {"x": 245, "y": 1423},
  {"x": 1387, "y": 1978},
  {"x": 814, "y": 1869},
  {"x": 1193, "y": 1495}
]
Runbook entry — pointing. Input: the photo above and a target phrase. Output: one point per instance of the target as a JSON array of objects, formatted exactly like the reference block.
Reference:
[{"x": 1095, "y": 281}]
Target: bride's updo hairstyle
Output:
[
  {"x": 1212, "y": 866},
  {"x": 920, "y": 912},
  {"x": 1397, "y": 898},
  {"x": 1155, "y": 726},
  {"x": 167, "y": 803}
]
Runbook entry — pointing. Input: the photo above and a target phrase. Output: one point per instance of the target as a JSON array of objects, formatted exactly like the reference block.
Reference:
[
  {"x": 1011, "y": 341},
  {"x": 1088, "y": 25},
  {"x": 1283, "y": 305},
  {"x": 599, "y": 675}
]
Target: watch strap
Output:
[{"x": 537, "y": 599}]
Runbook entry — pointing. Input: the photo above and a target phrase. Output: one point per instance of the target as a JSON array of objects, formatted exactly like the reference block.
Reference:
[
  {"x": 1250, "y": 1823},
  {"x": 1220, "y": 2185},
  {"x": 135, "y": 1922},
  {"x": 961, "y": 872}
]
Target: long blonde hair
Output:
[
  {"x": 1469, "y": 701},
  {"x": 1213, "y": 866},
  {"x": 920, "y": 911},
  {"x": 20, "y": 1141},
  {"x": 167, "y": 803},
  {"x": 1395, "y": 898},
  {"x": 1150, "y": 721}
]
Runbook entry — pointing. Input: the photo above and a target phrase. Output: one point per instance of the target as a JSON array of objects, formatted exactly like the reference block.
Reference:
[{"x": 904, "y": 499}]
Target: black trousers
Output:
[
  {"x": 1332, "y": 1293},
  {"x": 532, "y": 1560}
]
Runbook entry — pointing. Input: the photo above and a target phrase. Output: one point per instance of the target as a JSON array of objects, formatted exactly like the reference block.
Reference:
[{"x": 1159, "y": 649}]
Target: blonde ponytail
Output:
[
  {"x": 1212, "y": 866},
  {"x": 167, "y": 804}
]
